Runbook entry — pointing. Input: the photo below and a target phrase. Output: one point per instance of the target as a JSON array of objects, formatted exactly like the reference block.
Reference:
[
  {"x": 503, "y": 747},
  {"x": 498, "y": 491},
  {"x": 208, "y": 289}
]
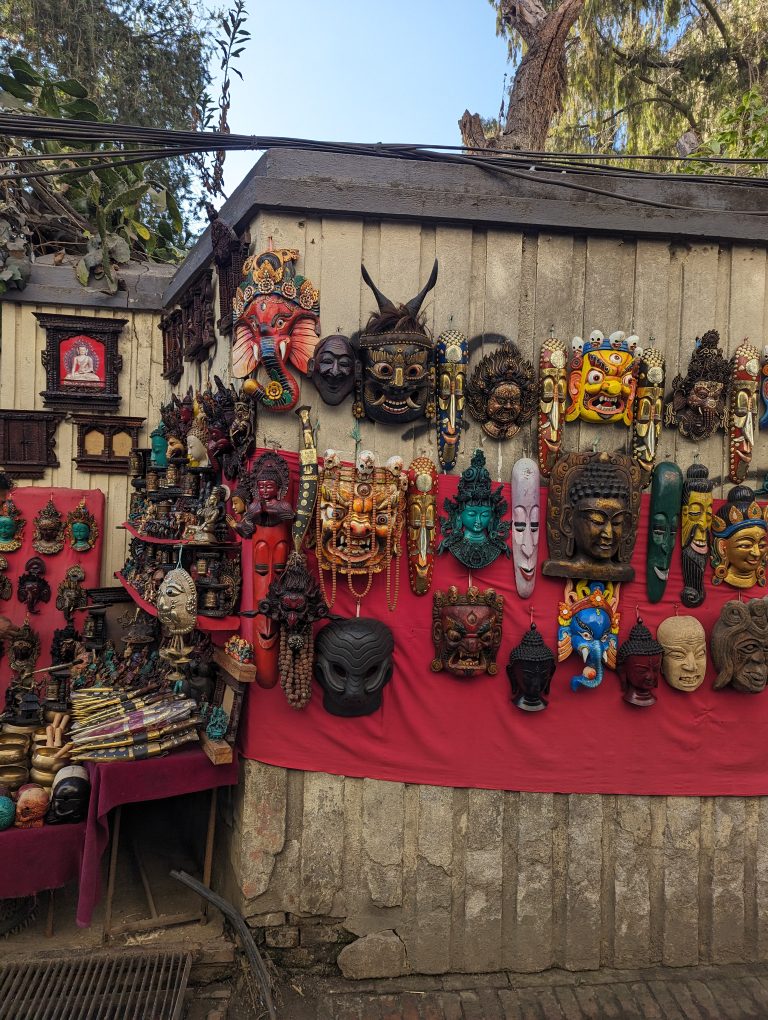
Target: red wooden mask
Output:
[{"x": 269, "y": 548}]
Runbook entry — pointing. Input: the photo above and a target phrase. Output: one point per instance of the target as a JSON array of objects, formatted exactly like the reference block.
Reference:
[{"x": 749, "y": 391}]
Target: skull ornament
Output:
[{"x": 603, "y": 379}]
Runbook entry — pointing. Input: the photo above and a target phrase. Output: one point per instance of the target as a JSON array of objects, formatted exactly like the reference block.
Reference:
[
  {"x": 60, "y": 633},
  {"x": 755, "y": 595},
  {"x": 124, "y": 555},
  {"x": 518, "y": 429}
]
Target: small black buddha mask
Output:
[
  {"x": 70, "y": 794},
  {"x": 530, "y": 668},
  {"x": 333, "y": 368},
  {"x": 353, "y": 663}
]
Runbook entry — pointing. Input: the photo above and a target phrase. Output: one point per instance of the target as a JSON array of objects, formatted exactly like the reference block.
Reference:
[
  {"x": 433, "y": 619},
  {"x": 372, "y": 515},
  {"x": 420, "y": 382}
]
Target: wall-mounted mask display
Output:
[
  {"x": 697, "y": 407},
  {"x": 666, "y": 496},
  {"x": 739, "y": 540},
  {"x": 267, "y": 488},
  {"x": 525, "y": 494},
  {"x": 353, "y": 664},
  {"x": 32, "y": 588},
  {"x": 592, "y": 514},
  {"x": 158, "y": 438},
  {"x": 70, "y": 594},
  {"x": 197, "y": 442},
  {"x": 396, "y": 373},
  {"x": 764, "y": 388},
  {"x": 649, "y": 410},
  {"x": 552, "y": 401},
  {"x": 82, "y": 529},
  {"x": 602, "y": 378},
  {"x": 333, "y": 368},
  {"x": 360, "y": 519},
  {"x": 530, "y": 669},
  {"x": 451, "y": 360},
  {"x": 474, "y": 530},
  {"x": 739, "y": 650},
  {"x": 48, "y": 537},
  {"x": 276, "y": 314},
  {"x": 421, "y": 530},
  {"x": 177, "y": 602},
  {"x": 588, "y": 625},
  {"x": 6, "y": 588},
  {"x": 696, "y": 520},
  {"x": 466, "y": 631},
  {"x": 24, "y": 649},
  {"x": 638, "y": 664},
  {"x": 294, "y": 602},
  {"x": 742, "y": 409},
  {"x": 502, "y": 393},
  {"x": 11, "y": 526},
  {"x": 684, "y": 647}
]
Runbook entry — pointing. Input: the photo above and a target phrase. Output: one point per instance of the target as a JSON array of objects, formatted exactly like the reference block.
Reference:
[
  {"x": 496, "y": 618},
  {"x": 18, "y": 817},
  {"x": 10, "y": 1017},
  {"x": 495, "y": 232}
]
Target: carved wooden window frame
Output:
[
  {"x": 173, "y": 354},
  {"x": 39, "y": 429},
  {"x": 229, "y": 254},
  {"x": 106, "y": 462},
  {"x": 60, "y": 328}
]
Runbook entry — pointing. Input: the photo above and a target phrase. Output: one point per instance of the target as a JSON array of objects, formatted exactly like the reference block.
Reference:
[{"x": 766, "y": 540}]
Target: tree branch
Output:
[
  {"x": 524, "y": 17},
  {"x": 734, "y": 53}
]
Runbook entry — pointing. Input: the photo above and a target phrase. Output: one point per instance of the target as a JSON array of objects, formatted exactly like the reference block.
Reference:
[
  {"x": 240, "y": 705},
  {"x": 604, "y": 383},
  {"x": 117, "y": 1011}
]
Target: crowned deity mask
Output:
[
  {"x": 602, "y": 378},
  {"x": 48, "y": 537},
  {"x": 421, "y": 530},
  {"x": 649, "y": 410},
  {"x": 353, "y": 665},
  {"x": 32, "y": 586},
  {"x": 739, "y": 540},
  {"x": 466, "y": 631},
  {"x": 639, "y": 666},
  {"x": 474, "y": 530},
  {"x": 451, "y": 359},
  {"x": 697, "y": 406},
  {"x": 592, "y": 514},
  {"x": 82, "y": 528},
  {"x": 525, "y": 524},
  {"x": 11, "y": 526},
  {"x": 696, "y": 520},
  {"x": 265, "y": 492},
  {"x": 530, "y": 669},
  {"x": 684, "y": 647},
  {"x": 739, "y": 650},
  {"x": 588, "y": 624},
  {"x": 502, "y": 393},
  {"x": 742, "y": 409},
  {"x": 276, "y": 320},
  {"x": 159, "y": 439},
  {"x": 360, "y": 520},
  {"x": 333, "y": 368},
  {"x": 666, "y": 496},
  {"x": 552, "y": 401},
  {"x": 396, "y": 372}
]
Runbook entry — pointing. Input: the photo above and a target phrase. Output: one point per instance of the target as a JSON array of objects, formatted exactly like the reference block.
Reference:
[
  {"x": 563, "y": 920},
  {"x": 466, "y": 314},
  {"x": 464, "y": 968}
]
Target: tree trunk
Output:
[{"x": 535, "y": 95}]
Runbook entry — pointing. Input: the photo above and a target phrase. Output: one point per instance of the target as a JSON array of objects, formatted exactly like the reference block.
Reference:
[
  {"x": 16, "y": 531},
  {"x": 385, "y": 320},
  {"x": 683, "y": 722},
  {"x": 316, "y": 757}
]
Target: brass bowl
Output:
[
  {"x": 43, "y": 777},
  {"x": 14, "y": 740},
  {"x": 24, "y": 731},
  {"x": 13, "y": 776},
  {"x": 47, "y": 762},
  {"x": 12, "y": 754}
]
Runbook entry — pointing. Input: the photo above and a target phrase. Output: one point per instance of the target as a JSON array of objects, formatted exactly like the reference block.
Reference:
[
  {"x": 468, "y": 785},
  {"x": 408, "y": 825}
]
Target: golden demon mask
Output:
[{"x": 603, "y": 378}]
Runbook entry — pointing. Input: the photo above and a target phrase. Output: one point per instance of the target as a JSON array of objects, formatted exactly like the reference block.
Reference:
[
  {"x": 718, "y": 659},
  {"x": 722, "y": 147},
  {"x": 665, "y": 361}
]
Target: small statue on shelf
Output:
[
  {"x": 33, "y": 588},
  {"x": 65, "y": 644},
  {"x": 211, "y": 525},
  {"x": 239, "y": 649},
  {"x": 48, "y": 537},
  {"x": 70, "y": 594}
]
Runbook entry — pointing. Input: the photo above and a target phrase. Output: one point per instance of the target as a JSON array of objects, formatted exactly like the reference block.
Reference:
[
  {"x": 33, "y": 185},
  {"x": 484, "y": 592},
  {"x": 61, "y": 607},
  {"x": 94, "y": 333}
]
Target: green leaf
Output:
[
  {"x": 173, "y": 212},
  {"x": 24, "y": 72},
  {"x": 118, "y": 248},
  {"x": 72, "y": 87},
  {"x": 128, "y": 197},
  {"x": 82, "y": 273},
  {"x": 81, "y": 109},
  {"x": 15, "y": 88},
  {"x": 142, "y": 230}
]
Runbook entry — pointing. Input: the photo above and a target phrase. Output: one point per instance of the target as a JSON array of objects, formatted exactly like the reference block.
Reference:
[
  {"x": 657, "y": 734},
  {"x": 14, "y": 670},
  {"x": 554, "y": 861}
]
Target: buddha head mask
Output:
[
  {"x": 649, "y": 410},
  {"x": 638, "y": 664},
  {"x": 159, "y": 439},
  {"x": 421, "y": 529},
  {"x": 666, "y": 495},
  {"x": 602, "y": 378},
  {"x": 451, "y": 359},
  {"x": 697, "y": 406},
  {"x": 684, "y": 649},
  {"x": 396, "y": 372},
  {"x": 48, "y": 537},
  {"x": 552, "y": 401},
  {"x": 276, "y": 320},
  {"x": 592, "y": 514},
  {"x": 502, "y": 393},
  {"x": 82, "y": 528},
  {"x": 588, "y": 624},
  {"x": 11, "y": 526},
  {"x": 466, "y": 631},
  {"x": 739, "y": 649},
  {"x": 525, "y": 524},
  {"x": 474, "y": 530},
  {"x": 530, "y": 668},
  {"x": 353, "y": 664},
  {"x": 696, "y": 520},
  {"x": 333, "y": 368},
  {"x": 739, "y": 540},
  {"x": 742, "y": 409}
]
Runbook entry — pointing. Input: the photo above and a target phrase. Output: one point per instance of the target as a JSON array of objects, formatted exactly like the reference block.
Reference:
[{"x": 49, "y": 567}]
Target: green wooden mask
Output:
[{"x": 666, "y": 498}]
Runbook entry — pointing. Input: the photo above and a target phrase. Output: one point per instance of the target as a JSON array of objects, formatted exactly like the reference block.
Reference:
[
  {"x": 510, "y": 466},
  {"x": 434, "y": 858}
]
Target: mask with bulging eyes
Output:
[{"x": 353, "y": 664}]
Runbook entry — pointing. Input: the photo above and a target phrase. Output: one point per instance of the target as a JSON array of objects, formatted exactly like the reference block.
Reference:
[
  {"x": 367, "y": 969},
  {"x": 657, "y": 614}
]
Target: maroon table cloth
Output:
[
  {"x": 32, "y": 860},
  {"x": 437, "y": 729},
  {"x": 119, "y": 783}
]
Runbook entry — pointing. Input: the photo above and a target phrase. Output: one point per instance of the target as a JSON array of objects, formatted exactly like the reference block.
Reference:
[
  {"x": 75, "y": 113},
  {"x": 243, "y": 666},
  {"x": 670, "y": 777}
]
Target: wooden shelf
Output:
[
  {"x": 211, "y": 624},
  {"x": 243, "y": 672},
  {"x": 176, "y": 541}
]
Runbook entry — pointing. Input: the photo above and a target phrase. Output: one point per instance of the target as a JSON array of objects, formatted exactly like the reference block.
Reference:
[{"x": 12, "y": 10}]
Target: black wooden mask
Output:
[
  {"x": 353, "y": 663},
  {"x": 333, "y": 368}
]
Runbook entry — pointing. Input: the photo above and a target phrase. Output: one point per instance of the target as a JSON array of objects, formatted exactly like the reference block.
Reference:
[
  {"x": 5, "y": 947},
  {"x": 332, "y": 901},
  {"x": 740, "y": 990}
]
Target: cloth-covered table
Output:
[
  {"x": 116, "y": 783},
  {"x": 32, "y": 860}
]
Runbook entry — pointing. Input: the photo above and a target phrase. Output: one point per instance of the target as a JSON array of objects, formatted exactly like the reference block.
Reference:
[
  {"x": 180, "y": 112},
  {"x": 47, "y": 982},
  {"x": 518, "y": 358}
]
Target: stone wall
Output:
[{"x": 392, "y": 878}]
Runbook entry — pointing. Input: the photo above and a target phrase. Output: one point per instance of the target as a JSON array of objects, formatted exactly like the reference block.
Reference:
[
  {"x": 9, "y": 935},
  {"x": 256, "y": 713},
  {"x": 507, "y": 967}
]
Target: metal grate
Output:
[{"x": 124, "y": 986}]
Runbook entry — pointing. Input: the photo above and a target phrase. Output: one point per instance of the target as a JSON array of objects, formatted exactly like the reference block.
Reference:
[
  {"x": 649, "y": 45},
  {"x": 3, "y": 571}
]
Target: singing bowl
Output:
[
  {"x": 47, "y": 762},
  {"x": 12, "y": 754},
  {"x": 42, "y": 776},
  {"x": 14, "y": 740},
  {"x": 13, "y": 776},
  {"x": 20, "y": 730}
]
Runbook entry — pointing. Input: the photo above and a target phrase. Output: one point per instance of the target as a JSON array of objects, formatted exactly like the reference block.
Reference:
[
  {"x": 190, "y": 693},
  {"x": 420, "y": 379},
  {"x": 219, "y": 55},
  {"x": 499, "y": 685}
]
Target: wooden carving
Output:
[
  {"x": 229, "y": 254},
  {"x": 173, "y": 354},
  {"x": 81, "y": 361},
  {"x": 105, "y": 442},
  {"x": 27, "y": 442}
]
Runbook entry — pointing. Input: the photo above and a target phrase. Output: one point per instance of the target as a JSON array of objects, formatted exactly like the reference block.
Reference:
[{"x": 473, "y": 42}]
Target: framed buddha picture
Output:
[{"x": 82, "y": 361}]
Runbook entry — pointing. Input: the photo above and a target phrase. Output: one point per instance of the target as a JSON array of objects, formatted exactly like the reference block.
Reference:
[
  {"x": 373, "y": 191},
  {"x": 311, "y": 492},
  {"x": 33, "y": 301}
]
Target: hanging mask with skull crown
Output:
[
  {"x": 396, "y": 369},
  {"x": 452, "y": 357},
  {"x": 742, "y": 409},
  {"x": 649, "y": 408},
  {"x": 502, "y": 392},
  {"x": 602, "y": 379},
  {"x": 466, "y": 631},
  {"x": 421, "y": 532},
  {"x": 697, "y": 407},
  {"x": 552, "y": 398}
]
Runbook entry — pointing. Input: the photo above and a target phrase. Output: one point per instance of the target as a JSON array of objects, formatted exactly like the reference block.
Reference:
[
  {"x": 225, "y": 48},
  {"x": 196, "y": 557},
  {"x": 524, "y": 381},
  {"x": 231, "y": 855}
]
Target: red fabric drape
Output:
[{"x": 437, "y": 729}]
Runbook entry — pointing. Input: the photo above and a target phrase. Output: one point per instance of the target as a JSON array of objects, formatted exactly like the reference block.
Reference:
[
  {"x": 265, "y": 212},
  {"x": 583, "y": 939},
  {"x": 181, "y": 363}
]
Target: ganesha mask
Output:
[
  {"x": 466, "y": 631},
  {"x": 277, "y": 320},
  {"x": 588, "y": 624}
]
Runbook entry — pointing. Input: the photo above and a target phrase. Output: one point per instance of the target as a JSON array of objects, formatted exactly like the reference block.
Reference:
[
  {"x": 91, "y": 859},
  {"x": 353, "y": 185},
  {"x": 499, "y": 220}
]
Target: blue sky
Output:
[{"x": 340, "y": 70}]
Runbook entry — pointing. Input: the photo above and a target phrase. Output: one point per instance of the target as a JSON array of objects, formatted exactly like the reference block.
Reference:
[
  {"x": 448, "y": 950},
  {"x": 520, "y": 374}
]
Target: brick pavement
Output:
[{"x": 738, "y": 992}]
